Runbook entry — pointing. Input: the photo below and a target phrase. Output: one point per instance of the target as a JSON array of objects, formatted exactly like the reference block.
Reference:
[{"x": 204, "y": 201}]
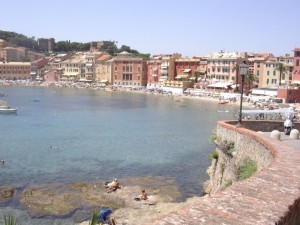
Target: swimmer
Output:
[{"x": 2, "y": 161}]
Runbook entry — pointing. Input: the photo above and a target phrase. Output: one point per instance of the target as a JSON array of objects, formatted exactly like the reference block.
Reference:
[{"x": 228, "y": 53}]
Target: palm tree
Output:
[
  {"x": 196, "y": 74},
  {"x": 249, "y": 79},
  {"x": 280, "y": 68},
  {"x": 236, "y": 68}
]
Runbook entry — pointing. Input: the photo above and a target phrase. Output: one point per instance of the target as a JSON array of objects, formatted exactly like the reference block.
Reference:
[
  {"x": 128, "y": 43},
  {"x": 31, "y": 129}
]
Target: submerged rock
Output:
[{"x": 6, "y": 193}]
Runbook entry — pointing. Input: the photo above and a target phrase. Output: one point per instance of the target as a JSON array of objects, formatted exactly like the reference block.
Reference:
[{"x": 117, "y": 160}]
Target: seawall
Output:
[{"x": 270, "y": 196}]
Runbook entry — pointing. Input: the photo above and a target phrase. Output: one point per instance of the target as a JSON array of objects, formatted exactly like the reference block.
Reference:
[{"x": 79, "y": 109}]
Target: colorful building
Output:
[
  {"x": 296, "y": 71},
  {"x": 220, "y": 66},
  {"x": 128, "y": 70},
  {"x": 185, "y": 68},
  {"x": 15, "y": 70},
  {"x": 103, "y": 70},
  {"x": 37, "y": 70}
]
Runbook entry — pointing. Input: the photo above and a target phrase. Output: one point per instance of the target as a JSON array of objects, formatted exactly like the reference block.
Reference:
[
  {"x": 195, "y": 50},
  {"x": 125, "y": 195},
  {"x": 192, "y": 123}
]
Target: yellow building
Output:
[
  {"x": 73, "y": 69},
  {"x": 103, "y": 66}
]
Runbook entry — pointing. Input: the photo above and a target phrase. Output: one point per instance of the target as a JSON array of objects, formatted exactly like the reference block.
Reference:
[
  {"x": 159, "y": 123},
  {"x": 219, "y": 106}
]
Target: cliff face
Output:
[
  {"x": 234, "y": 153},
  {"x": 222, "y": 172}
]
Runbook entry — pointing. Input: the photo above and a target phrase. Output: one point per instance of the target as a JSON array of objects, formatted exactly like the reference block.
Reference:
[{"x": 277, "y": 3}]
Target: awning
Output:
[
  {"x": 202, "y": 71},
  {"x": 32, "y": 73},
  {"x": 219, "y": 85},
  {"x": 103, "y": 81},
  {"x": 84, "y": 80},
  {"x": 296, "y": 82},
  {"x": 187, "y": 70},
  {"x": 181, "y": 76},
  {"x": 192, "y": 78},
  {"x": 89, "y": 64},
  {"x": 71, "y": 74},
  {"x": 154, "y": 75}
]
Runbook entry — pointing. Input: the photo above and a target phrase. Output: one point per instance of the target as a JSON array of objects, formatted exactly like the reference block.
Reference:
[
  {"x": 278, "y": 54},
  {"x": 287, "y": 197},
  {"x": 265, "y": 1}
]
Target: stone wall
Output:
[
  {"x": 270, "y": 196},
  {"x": 224, "y": 170}
]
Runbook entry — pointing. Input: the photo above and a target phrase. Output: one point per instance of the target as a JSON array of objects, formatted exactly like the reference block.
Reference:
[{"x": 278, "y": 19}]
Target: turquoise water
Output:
[{"x": 67, "y": 135}]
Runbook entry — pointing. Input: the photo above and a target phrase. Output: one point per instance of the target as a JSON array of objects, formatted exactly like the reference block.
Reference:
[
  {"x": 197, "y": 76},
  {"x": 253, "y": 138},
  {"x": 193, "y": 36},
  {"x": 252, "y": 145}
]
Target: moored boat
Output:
[{"x": 6, "y": 109}]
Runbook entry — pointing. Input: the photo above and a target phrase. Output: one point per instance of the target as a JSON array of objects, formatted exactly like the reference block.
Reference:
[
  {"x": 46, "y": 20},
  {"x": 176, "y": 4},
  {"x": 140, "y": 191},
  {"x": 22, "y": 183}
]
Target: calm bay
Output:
[{"x": 81, "y": 135}]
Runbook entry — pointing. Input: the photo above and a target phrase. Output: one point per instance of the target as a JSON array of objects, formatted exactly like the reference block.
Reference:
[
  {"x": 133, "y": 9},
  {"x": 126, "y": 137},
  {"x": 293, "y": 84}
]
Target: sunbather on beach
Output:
[{"x": 113, "y": 186}]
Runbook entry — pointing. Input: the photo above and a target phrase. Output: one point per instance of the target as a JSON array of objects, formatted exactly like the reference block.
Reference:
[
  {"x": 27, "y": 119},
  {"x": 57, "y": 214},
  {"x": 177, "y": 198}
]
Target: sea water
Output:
[{"x": 81, "y": 135}]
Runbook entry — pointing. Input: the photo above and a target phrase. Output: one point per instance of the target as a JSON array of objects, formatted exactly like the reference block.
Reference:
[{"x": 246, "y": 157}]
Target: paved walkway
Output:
[{"x": 286, "y": 139}]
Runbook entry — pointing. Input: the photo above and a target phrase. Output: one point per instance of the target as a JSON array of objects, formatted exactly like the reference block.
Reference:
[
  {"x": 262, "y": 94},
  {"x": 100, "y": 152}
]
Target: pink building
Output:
[
  {"x": 128, "y": 70},
  {"x": 154, "y": 70},
  {"x": 52, "y": 76},
  {"x": 296, "y": 71},
  {"x": 185, "y": 68},
  {"x": 37, "y": 70}
]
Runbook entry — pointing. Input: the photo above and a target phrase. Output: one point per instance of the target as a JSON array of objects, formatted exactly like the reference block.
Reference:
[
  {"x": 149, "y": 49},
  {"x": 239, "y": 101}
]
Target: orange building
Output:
[{"x": 15, "y": 70}]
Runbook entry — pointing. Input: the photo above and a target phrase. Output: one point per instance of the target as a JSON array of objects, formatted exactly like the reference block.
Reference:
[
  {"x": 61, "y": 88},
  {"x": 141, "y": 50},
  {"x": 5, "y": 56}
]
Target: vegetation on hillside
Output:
[{"x": 65, "y": 46}]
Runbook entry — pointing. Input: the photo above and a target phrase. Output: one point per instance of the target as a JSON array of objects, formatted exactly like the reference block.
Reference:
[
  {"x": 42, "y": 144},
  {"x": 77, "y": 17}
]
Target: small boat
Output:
[
  {"x": 223, "y": 101},
  {"x": 6, "y": 109}
]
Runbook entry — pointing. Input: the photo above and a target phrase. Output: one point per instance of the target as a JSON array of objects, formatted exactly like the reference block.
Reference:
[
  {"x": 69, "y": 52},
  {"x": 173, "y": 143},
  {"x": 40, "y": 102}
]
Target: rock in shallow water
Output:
[
  {"x": 60, "y": 200},
  {"x": 6, "y": 193}
]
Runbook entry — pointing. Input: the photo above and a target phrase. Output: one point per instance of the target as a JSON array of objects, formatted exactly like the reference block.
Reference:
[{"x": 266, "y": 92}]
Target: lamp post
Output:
[{"x": 243, "y": 72}]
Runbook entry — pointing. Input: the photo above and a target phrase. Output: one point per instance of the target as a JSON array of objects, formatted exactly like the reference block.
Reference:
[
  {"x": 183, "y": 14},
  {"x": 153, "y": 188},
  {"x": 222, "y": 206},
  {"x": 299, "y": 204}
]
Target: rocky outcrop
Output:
[
  {"x": 223, "y": 169},
  {"x": 6, "y": 193},
  {"x": 65, "y": 199}
]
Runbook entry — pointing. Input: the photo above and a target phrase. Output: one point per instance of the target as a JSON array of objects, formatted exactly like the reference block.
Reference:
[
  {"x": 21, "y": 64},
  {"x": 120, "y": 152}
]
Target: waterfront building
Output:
[
  {"x": 296, "y": 71},
  {"x": 154, "y": 72},
  {"x": 161, "y": 69},
  {"x": 73, "y": 69},
  {"x": 287, "y": 75},
  {"x": 185, "y": 68},
  {"x": 15, "y": 70},
  {"x": 201, "y": 82},
  {"x": 55, "y": 60},
  {"x": 129, "y": 70},
  {"x": 37, "y": 70},
  {"x": 89, "y": 74},
  {"x": 103, "y": 71},
  {"x": 220, "y": 66}
]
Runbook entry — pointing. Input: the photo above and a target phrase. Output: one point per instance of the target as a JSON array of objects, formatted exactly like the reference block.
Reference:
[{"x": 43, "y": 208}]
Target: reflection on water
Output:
[{"x": 84, "y": 135}]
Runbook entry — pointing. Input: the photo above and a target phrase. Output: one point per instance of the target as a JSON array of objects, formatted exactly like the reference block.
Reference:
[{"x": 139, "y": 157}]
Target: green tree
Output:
[
  {"x": 249, "y": 79},
  {"x": 280, "y": 68},
  {"x": 197, "y": 75},
  {"x": 236, "y": 68}
]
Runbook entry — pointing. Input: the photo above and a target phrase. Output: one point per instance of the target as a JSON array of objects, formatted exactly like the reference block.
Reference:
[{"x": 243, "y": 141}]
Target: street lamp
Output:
[{"x": 243, "y": 72}]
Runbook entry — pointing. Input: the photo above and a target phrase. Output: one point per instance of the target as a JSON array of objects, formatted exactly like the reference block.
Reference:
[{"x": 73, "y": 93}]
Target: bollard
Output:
[
  {"x": 294, "y": 134},
  {"x": 275, "y": 134}
]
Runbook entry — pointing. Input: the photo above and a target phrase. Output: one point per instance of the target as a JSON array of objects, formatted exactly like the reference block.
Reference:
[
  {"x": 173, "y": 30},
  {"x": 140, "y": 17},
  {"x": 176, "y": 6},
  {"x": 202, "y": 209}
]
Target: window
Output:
[
  {"x": 268, "y": 81},
  {"x": 116, "y": 68},
  {"x": 297, "y": 62},
  {"x": 257, "y": 72},
  {"x": 268, "y": 73},
  {"x": 274, "y": 73}
]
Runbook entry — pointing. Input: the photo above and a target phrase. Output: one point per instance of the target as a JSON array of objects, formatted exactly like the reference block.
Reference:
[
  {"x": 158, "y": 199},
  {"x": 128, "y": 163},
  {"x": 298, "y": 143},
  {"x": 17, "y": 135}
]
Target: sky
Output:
[{"x": 189, "y": 27}]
